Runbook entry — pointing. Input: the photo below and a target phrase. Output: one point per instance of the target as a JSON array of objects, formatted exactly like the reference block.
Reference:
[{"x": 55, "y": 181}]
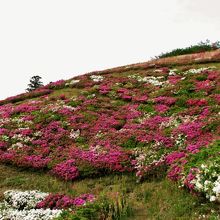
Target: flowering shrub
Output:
[
  {"x": 148, "y": 121},
  {"x": 22, "y": 205},
  {"x": 96, "y": 78},
  {"x": 197, "y": 102},
  {"x": 207, "y": 181},
  {"x": 147, "y": 162},
  {"x": 38, "y": 205},
  {"x": 196, "y": 71},
  {"x": 204, "y": 85},
  {"x": 67, "y": 170},
  {"x": 174, "y": 79},
  {"x": 175, "y": 173},
  {"x": 56, "y": 201},
  {"x": 56, "y": 85},
  {"x": 165, "y": 100},
  {"x": 161, "y": 108},
  {"x": 156, "y": 81},
  {"x": 23, "y": 200},
  {"x": 33, "y": 214},
  {"x": 72, "y": 82},
  {"x": 174, "y": 156},
  {"x": 27, "y": 95},
  {"x": 35, "y": 161}
]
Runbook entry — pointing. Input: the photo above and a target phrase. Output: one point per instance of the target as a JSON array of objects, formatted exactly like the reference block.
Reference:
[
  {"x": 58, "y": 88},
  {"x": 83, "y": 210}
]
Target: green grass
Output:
[
  {"x": 68, "y": 92},
  {"x": 156, "y": 199}
]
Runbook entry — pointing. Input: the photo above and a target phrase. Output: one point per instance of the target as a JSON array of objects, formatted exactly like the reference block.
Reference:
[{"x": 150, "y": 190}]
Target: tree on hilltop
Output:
[{"x": 35, "y": 83}]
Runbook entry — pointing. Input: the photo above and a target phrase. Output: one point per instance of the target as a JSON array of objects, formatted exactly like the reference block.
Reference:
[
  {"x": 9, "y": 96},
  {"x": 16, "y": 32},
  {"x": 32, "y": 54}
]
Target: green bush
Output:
[
  {"x": 206, "y": 154},
  {"x": 146, "y": 108},
  {"x": 132, "y": 143}
]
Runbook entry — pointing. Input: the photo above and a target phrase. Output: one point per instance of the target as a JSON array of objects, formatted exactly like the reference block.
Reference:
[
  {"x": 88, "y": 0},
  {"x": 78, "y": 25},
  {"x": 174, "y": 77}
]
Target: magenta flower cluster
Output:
[
  {"x": 57, "y": 201},
  {"x": 66, "y": 170}
]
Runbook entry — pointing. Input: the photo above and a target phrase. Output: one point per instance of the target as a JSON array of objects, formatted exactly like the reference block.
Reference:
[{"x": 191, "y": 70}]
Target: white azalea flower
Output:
[{"x": 97, "y": 78}]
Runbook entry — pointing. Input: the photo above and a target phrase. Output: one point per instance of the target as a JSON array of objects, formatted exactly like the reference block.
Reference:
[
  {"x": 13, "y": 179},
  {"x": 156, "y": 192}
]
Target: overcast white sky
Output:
[{"x": 58, "y": 39}]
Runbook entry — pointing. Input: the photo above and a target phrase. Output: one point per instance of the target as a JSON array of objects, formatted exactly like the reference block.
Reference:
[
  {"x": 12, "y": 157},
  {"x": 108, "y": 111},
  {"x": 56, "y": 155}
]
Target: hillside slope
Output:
[{"x": 151, "y": 121}]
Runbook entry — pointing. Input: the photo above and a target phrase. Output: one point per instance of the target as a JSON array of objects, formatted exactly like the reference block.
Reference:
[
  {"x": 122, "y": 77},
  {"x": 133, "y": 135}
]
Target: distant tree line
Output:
[{"x": 198, "y": 48}]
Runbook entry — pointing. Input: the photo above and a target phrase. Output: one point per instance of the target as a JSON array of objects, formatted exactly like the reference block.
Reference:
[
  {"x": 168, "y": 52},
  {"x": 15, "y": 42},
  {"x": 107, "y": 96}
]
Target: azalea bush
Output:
[
  {"x": 22, "y": 205},
  {"x": 204, "y": 177},
  {"x": 207, "y": 181},
  {"x": 63, "y": 202}
]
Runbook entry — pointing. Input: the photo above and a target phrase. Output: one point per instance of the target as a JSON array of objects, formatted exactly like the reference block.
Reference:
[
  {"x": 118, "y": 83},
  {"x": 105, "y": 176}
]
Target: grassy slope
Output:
[{"x": 155, "y": 199}]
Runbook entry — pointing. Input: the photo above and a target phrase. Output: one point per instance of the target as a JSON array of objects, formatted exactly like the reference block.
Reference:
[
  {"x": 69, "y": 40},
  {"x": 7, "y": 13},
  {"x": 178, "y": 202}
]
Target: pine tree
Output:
[{"x": 35, "y": 83}]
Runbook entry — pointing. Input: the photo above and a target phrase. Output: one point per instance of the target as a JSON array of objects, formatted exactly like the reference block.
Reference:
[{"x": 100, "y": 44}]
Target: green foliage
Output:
[
  {"x": 156, "y": 173},
  {"x": 90, "y": 212},
  {"x": 186, "y": 88},
  {"x": 92, "y": 108},
  {"x": 181, "y": 102},
  {"x": 146, "y": 108},
  {"x": 86, "y": 170},
  {"x": 174, "y": 110},
  {"x": 74, "y": 103},
  {"x": 35, "y": 83},
  {"x": 198, "y": 48},
  {"x": 212, "y": 127},
  {"x": 208, "y": 154},
  {"x": 83, "y": 213},
  {"x": 48, "y": 117},
  {"x": 112, "y": 94},
  {"x": 81, "y": 140},
  {"x": 201, "y": 77},
  {"x": 132, "y": 143},
  {"x": 117, "y": 103},
  {"x": 102, "y": 209},
  {"x": 89, "y": 117},
  {"x": 120, "y": 209}
]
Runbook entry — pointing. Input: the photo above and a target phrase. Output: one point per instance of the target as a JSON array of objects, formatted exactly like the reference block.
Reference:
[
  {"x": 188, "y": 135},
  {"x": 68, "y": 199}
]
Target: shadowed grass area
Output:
[{"x": 156, "y": 199}]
